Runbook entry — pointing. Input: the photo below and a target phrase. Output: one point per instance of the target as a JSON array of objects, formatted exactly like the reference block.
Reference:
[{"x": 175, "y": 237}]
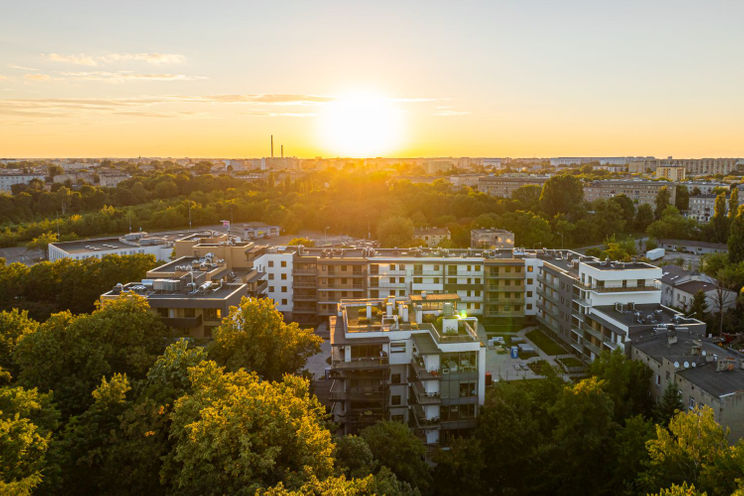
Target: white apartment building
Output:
[
  {"x": 128, "y": 244},
  {"x": 7, "y": 180},
  {"x": 277, "y": 266}
]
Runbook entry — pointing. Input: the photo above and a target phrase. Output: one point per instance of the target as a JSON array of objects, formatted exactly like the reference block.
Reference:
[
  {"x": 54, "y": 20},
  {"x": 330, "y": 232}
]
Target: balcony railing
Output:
[
  {"x": 424, "y": 398},
  {"x": 182, "y": 322},
  {"x": 362, "y": 363},
  {"x": 626, "y": 289}
]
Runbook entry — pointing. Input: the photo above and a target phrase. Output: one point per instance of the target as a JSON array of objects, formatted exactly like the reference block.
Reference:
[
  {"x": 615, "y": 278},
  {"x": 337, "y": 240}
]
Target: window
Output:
[
  {"x": 397, "y": 347},
  {"x": 374, "y": 293},
  {"x": 284, "y": 277},
  {"x": 451, "y": 280},
  {"x": 469, "y": 281},
  {"x": 417, "y": 280},
  {"x": 392, "y": 266},
  {"x": 530, "y": 268},
  {"x": 284, "y": 263},
  {"x": 271, "y": 289},
  {"x": 284, "y": 301},
  {"x": 343, "y": 280},
  {"x": 529, "y": 281},
  {"x": 476, "y": 293},
  {"x": 529, "y": 294},
  {"x": 395, "y": 379},
  {"x": 211, "y": 314},
  {"x": 529, "y": 306},
  {"x": 392, "y": 280},
  {"x": 398, "y": 418},
  {"x": 395, "y": 400},
  {"x": 271, "y": 277},
  {"x": 467, "y": 389},
  {"x": 401, "y": 280},
  {"x": 189, "y": 312},
  {"x": 401, "y": 292},
  {"x": 343, "y": 268},
  {"x": 468, "y": 293},
  {"x": 271, "y": 263},
  {"x": 436, "y": 280},
  {"x": 436, "y": 267},
  {"x": 392, "y": 292},
  {"x": 477, "y": 306},
  {"x": 284, "y": 289}
]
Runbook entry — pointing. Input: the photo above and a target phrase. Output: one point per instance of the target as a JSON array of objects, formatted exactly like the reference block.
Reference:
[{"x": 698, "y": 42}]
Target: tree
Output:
[
  {"x": 662, "y": 201},
  {"x": 698, "y": 307},
  {"x": 644, "y": 217},
  {"x": 733, "y": 205},
  {"x": 22, "y": 456},
  {"x": 681, "y": 197},
  {"x": 235, "y": 433},
  {"x": 41, "y": 242},
  {"x": 69, "y": 354},
  {"x": 626, "y": 381},
  {"x": 254, "y": 336},
  {"x": 302, "y": 241},
  {"x": 736, "y": 237},
  {"x": 13, "y": 326},
  {"x": 669, "y": 405},
  {"x": 626, "y": 204},
  {"x": 396, "y": 447},
  {"x": 458, "y": 468},
  {"x": 690, "y": 450},
  {"x": 680, "y": 490},
  {"x": 528, "y": 197},
  {"x": 561, "y": 195},
  {"x": 719, "y": 221},
  {"x": 395, "y": 232},
  {"x": 354, "y": 457},
  {"x": 384, "y": 483},
  {"x": 584, "y": 429}
]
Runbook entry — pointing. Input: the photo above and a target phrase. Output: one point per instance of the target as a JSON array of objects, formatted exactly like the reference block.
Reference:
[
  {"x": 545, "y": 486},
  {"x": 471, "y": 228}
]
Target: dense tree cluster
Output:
[
  {"x": 66, "y": 284},
  {"x": 110, "y": 403}
]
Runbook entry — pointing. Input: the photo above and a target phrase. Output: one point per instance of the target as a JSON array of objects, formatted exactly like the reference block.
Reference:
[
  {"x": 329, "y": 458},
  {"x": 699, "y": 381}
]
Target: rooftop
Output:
[
  {"x": 207, "y": 291},
  {"x": 642, "y": 320},
  {"x": 130, "y": 240}
]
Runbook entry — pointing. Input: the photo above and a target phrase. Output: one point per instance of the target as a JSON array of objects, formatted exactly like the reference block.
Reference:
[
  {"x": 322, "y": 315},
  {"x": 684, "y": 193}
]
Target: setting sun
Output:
[{"x": 360, "y": 125}]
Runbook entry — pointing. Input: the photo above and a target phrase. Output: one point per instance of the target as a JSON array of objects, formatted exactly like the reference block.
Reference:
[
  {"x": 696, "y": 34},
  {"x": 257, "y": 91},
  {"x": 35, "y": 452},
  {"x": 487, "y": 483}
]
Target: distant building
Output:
[
  {"x": 255, "y": 230},
  {"x": 128, "y": 244},
  {"x": 491, "y": 238},
  {"x": 692, "y": 166},
  {"x": 276, "y": 266},
  {"x": 694, "y": 247},
  {"x": 671, "y": 172},
  {"x": 639, "y": 191},
  {"x": 391, "y": 361},
  {"x": 504, "y": 186},
  {"x": 432, "y": 236},
  {"x": 190, "y": 294},
  {"x": 703, "y": 372},
  {"x": 575, "y": 161},
  {"x": 702, "y": 207},
  {"x": 9, "y": 179},
  {"x": 679, "y": 286},
  {"x": 111, "y": 180}
]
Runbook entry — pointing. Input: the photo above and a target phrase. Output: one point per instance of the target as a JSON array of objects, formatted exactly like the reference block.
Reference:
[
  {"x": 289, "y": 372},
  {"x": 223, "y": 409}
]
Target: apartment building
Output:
[
  {"x": 679, "y": 286},
  {"x": 432, "y": 236},
  {"x": 190, "y": 294},
  {"x": 392, "y": 359},
  {"x": 491, "y": 238},
  {"x": 704, "y": 372},
  {"x": 276, "y": 265},
  {"x": 595, "y": 305},
  {"x": 640, "y": 191},
  {"x": 671, "y": 172},
  {"x": 129, "y": 244},
  {"x": 702, "y": 207},
  {"x": 692, "y": 166},
  {"x": 9, "y": 179},
  {"x": 505, "y": 186}
]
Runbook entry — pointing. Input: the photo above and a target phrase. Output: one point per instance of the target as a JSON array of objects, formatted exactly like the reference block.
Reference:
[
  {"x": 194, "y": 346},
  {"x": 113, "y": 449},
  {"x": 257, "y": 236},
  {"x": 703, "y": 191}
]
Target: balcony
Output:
[
  {"x": 359, "y": 393},
  {"x": 420, "y": 420},
  {"x": 362, "y": 363},
  {"x": 424, "y": 398},
  {"x": 605, "y": 289},
  {"x": 461, "y": 423},
  {"x": 422, "y": 373},
  {"x": 182, "y": 322}
]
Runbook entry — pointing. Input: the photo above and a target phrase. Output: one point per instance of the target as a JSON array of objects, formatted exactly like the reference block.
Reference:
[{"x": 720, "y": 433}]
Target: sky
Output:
[{"x": 398, "y": 78}]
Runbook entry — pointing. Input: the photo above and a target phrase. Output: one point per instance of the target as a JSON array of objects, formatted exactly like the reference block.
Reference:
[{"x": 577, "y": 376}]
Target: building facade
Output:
[
  {"x": 391, "y": 359},
  {"x": 491, "y": 238},
  {"x": 128, "y": 244}
]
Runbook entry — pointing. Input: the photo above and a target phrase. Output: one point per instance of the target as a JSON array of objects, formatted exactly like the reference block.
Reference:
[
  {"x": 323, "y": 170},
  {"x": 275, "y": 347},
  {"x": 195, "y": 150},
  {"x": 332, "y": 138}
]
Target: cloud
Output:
[
  {"x": 36, "y": 77},
  {"x": 152, "y": 58},
  {"x": 271, "y": 99},
  {"x": 122, "y": 76},
  {"x": 447, "y": 111},
  {"x": 21, "y": 67}
]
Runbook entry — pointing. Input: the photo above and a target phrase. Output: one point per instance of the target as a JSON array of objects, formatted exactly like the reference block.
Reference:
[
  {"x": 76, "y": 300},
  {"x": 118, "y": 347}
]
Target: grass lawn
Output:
[
  {"x": 571, "y": 362},
  {"x": 546, "y": 344},
  {"x": 537, "y": 367}
]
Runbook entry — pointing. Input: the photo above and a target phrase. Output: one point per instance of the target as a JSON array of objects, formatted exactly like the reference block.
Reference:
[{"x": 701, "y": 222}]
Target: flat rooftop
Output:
[
  {"x": 644, "y": 318},
  {"x": 111, "y": 243},
  {"x": 215, "y": 292},
  {"x": 603, "y": 265}
]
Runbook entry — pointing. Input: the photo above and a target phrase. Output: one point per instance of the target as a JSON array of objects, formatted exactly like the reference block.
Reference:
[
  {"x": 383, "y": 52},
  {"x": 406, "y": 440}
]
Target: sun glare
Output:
[{"x": 360, "y": 125}]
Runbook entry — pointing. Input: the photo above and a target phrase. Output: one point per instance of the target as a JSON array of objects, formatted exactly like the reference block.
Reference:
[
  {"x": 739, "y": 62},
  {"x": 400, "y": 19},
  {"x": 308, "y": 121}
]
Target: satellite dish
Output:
[
  {"x": 686, "y": 364},
  {"x": 676, "y": 365}
]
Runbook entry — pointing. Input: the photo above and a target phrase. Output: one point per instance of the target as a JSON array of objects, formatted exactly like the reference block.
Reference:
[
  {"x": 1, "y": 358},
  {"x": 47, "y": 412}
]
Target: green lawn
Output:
[
  {"x": 571, "y": 362},
  {"x": 546, "y": 344},
  {"x": 538, "y": 366}
]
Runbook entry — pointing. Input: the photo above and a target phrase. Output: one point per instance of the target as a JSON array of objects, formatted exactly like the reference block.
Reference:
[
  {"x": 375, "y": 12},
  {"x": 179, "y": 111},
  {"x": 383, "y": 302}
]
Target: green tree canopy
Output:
[
  {"x": 254, "y": 336},
  {"x": 562, "y": 195},
  {"x": 662, "y": 201},
  {"x": 395, "y": 231}
]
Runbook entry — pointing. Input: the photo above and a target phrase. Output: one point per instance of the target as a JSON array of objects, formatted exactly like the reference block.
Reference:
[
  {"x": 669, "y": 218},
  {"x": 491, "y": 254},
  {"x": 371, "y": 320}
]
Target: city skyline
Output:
[{"x": 508, "y": 79}]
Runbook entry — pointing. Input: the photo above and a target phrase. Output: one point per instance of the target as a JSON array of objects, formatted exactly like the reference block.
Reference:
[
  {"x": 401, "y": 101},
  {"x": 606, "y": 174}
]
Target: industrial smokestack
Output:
[
  {"x": 282, "y": 150},
  {"x": 272, "y": 146}
]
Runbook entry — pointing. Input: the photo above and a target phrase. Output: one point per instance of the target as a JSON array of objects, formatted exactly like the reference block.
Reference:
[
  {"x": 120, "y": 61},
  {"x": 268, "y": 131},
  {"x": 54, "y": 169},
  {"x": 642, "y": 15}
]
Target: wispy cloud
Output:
[
  {"x": 36, "y": 77},
  {"x": 122, "y": 76},
  {"x": 153, "y": 58},
  {"x": 447, "y": 111},
  {"x": 21, "y": 67}
]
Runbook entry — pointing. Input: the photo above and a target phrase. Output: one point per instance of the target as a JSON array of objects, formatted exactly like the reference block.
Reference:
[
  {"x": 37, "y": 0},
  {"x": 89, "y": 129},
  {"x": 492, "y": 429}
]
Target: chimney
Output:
[
  {"x": 281, "y": 147},
  {"x": 272, "y": 146}
]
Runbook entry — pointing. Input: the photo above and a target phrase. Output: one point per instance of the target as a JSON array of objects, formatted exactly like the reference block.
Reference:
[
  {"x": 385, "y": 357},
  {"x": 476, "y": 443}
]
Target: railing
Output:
[
  {"x": 362, "y": 363},
  {"x": 605, "y": 289},
  {"x": 182, "y": 322},
  {"x": 424, "y": 398},
  {"x": 422, "y": 373}
]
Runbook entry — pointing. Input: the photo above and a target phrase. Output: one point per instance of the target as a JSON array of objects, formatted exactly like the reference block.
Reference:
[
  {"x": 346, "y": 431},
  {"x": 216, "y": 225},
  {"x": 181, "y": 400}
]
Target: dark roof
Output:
[
  {"x": 672, "y": 273},
  {"x": 715, "y": 383},
  {"x": 693, "y": 287},
  {"x": 425, "y": 343}
]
